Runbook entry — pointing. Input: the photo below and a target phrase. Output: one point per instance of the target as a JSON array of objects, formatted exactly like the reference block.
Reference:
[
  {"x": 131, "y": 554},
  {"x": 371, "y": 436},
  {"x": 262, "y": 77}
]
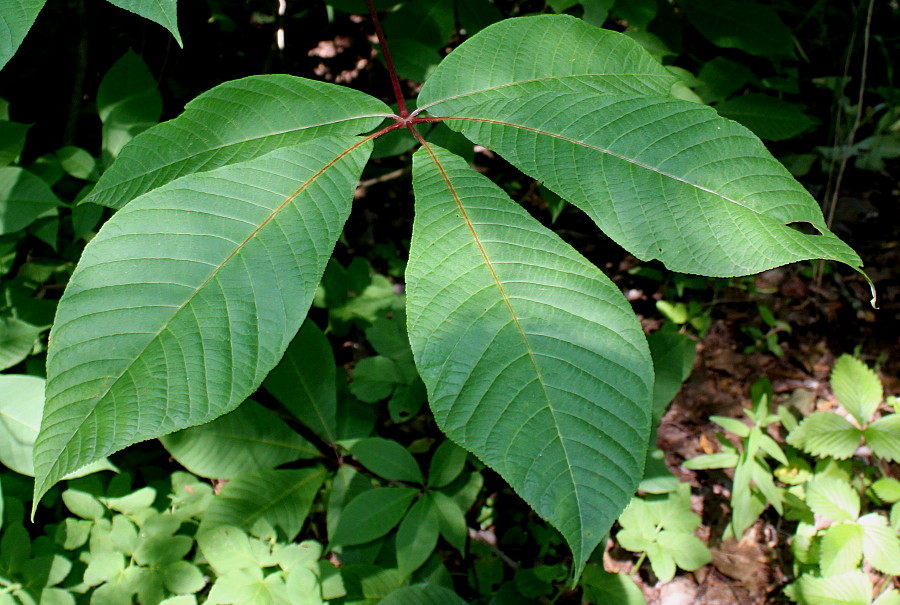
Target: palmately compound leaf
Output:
[
  {"x": 532, "y": 358},
  {"x": 667, "y": 179},
  {"x": 232, "y": 123},
  {"x": 16, "y": 18},
  {"x": 188, "y": 297}
]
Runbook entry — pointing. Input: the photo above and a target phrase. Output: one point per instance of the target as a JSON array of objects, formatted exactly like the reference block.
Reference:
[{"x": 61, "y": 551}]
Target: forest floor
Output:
[{"x": 827, "y": 321}]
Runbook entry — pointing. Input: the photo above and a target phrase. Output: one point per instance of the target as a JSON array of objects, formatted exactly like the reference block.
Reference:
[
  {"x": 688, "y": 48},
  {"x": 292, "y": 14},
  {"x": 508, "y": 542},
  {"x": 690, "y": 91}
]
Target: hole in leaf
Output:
[{"x": 804, "y": 227}]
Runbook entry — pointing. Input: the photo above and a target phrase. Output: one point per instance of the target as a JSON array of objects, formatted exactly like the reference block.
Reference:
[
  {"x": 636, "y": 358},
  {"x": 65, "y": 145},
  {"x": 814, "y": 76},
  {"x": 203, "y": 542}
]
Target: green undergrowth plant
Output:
[
  {"x": 531, "y": 358},
  {"x": 832, "y": 480}
]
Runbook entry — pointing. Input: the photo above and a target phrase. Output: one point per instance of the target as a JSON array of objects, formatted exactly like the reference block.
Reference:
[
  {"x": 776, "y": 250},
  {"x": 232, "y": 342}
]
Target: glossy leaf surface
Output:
[
  {"x": 532, "y": 358},
  {"x": 188, "y": 297},
  {"x": 164, "y": 12}
]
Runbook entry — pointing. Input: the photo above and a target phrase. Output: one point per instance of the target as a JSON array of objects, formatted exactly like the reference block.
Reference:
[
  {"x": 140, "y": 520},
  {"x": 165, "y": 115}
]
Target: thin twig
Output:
[
  {"x": 387, "y": 176},
  {"x": 401, "y": 102}
]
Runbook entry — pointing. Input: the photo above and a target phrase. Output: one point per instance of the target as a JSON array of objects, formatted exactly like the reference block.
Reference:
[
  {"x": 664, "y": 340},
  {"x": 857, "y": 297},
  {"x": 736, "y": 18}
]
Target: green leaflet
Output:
[
  {"x": 16, "y": 18},
  {"x": 188, "y": 297},
  {"x": 665, "y": 178},
  {"x": 532, "y": 357},
  {"x": 232, "y": 123},
  {"x": 163, "y": 12}
]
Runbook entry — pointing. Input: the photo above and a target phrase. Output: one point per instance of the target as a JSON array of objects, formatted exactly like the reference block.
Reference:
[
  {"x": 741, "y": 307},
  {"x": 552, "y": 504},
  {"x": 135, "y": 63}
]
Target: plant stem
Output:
[{"x": 401, "y": 102}]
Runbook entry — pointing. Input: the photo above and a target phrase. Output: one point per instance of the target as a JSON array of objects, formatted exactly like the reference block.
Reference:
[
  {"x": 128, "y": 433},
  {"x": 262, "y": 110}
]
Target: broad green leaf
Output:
[
  {"x": 665, "y": 178},
  {"x": 374, "y": 378},
  {"x": 12, "y": 141},
  {"x": 417, "y": 535},
  {"x": 250, "y": 438},
  {"x": 429, "y": 23},
  {"x": 447, "y": 463},
  {"x": 16, "y": 18},
  {"x": 856, "y": 387},
  {"x": 128, "y": 102},
  {"x": 559, "y": 48},
  {"x": 21, "y": 406},
  {"x": 264, "y": 113},
  {"x": 304, "y": 381},
  {"x": 387, "y": 458},
  {"x": 83, "y": 504},
  {"x": 346, "y": 485},
  {"x": 188, "y": 297},
  {"x": 880, "y": 544},
  {"x": 422, "y": 594},
  {"x": 750, "y": 26},
  {"x": 841, "y": 548},
  {"x": 23, "y": 198},
  {"x": 673, "y": 357},
  {"x": 832, "y": 498},
  {"x": 850, "y": 588},
  {"x": 281, "y": 497},
  {"x": 451, "y": 520},
  {"x": 826, "y": 434},
  {"x": 371, "y": 515},
  {"x": 163, "y": 12},
  {"x": 604, "y": 587},
  {"x": 21, "y": 403},
  {"x": 533, "y": 359},
  {"x": 364, "y": 581},
  {"x": 770, "y": 118},
  {"x": 883, "y": 437}
]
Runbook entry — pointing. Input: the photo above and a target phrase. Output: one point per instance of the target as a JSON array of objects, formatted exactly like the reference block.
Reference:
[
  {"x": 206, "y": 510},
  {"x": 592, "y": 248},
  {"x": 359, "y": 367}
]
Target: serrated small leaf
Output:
[
  {"x": 417, "y": 536},
  {"x": 883, "y": 437},
  {"x": 688, "y": 552},
  {"x": 282, "y": 497},
  {"x": 251, "y": 438},
  {"x": 83, "y": 504},
  {"x": 447, "y": 463},
  {"x": 183, "y": 577},
  {"x": 850, "y": 588},
  {"x": 103, "y": 567},
  {"x": 880, "y": 544},
  {"x": 661, "y": 561},
  {"x": 133, "y": 502},
  {"x": 826, "y": 434},
  {"x": 887, "y": 488},
  {"x": 833, "y": 499},
  {"x": 856, "y": 387},
  {"x": 841, "y": 548},
  {"x": 387, "y": 458},
  {"x": 227, "y": 549},
  {"x": 372, "y": 514}
]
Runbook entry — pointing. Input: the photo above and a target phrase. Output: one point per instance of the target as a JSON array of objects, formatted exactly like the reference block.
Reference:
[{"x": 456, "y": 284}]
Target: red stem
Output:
[{"x": 401, "y": 102}]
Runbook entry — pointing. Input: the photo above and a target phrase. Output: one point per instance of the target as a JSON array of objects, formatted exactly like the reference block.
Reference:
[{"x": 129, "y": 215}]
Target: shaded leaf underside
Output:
[
  {"x": 188, "y": 297},
  {"x": 532, "y": 358}
]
